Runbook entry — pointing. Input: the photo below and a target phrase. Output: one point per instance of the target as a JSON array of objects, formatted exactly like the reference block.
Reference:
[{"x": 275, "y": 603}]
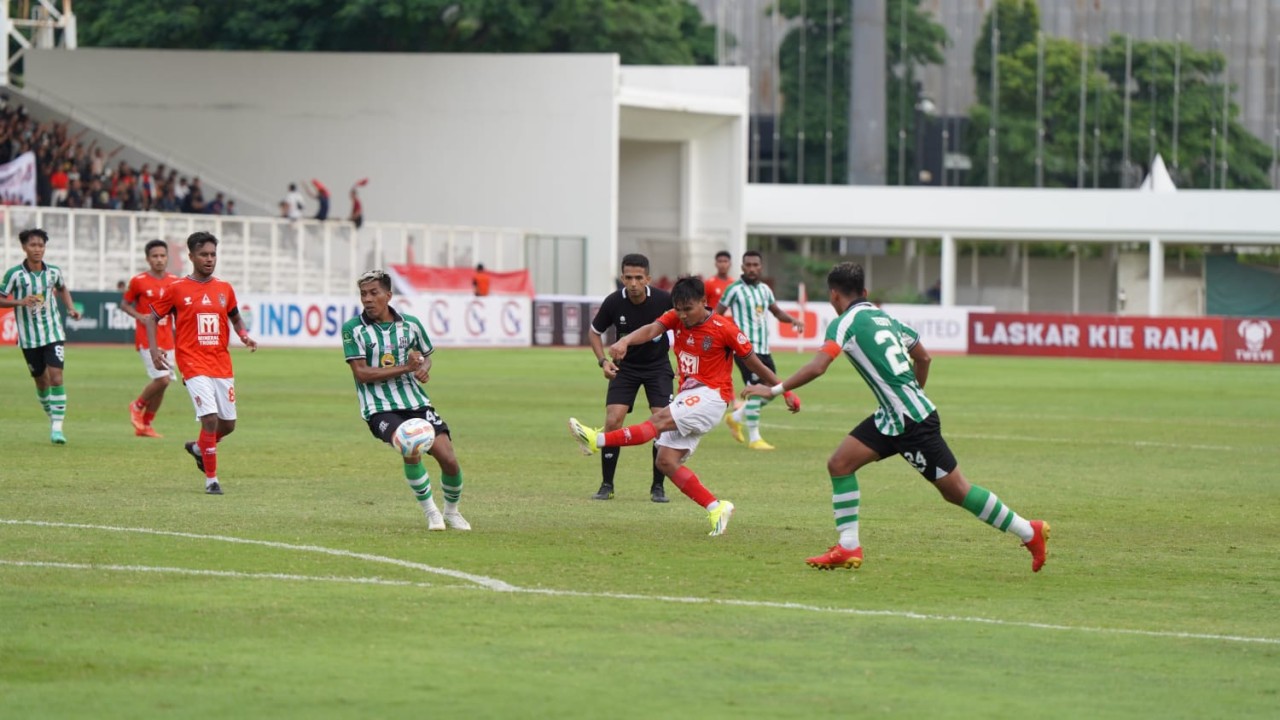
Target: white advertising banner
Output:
[
  {"x": 945, "y": 329},
  {"x": 18, "y": 180},
  {"x": 450, "y": 320}
]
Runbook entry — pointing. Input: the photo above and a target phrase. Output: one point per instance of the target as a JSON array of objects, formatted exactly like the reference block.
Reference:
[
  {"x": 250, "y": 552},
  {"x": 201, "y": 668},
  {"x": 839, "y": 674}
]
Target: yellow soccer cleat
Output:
[
  {"x": 585, "y": 436},
  {"x": 720, "y": 517},
  {"x": 760, "y": 445},
  {"x": 735, "y": 427}
]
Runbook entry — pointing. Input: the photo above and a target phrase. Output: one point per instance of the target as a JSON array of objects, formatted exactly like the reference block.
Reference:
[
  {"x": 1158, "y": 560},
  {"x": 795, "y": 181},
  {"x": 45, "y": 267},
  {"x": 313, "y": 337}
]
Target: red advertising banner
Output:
[
  {"x": 8, "y": 327},
  {"x": 428, "y": 279},
  {"x": 1251, "y": 340},
  {"x": 1102, "y": 336}
]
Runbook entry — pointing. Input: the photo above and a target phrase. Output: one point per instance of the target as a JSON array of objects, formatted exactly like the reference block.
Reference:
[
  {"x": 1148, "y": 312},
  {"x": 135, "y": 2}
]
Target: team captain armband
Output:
[{"x": 831, "y": 349}]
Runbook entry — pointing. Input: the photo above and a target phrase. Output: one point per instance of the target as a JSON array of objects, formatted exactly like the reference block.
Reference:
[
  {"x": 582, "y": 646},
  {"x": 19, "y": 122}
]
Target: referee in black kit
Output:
[{"x": 647, "y": 366}]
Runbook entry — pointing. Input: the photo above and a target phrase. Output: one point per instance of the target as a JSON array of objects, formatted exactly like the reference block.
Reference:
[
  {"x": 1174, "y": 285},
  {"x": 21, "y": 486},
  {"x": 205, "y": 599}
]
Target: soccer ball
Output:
[{"x": 414, "y": 437}]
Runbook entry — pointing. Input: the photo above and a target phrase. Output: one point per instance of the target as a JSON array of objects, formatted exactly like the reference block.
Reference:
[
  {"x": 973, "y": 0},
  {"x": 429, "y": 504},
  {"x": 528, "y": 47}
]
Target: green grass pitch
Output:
[{"x": 312, "y": 588}]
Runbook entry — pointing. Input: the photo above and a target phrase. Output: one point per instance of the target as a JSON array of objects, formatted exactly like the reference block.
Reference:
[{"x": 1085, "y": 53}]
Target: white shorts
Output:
[
  {"x": 213, "y": 395},
  {"x": 152, "y": 371},
  {"x": 696, "y": 411}
]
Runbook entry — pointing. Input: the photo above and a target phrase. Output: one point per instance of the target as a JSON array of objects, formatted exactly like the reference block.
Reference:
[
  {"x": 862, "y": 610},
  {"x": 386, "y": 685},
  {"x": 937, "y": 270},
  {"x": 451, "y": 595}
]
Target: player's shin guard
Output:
[
  {"x": 692, "y": 487},
  {"x": 631, "y": 435},
  {"x": 208, "y": 444},
  {"x": 987, "y": 507}
]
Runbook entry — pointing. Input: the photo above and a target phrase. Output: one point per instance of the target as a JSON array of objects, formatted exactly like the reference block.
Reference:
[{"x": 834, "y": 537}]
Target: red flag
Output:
[{"x": 362, "y": 182}]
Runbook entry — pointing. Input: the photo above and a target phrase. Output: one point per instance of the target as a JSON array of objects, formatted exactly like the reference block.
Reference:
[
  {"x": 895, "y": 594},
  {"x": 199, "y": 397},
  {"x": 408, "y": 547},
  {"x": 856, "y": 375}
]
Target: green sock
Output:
[
  {"x": 845, "y": 500},
  {"x": 43, "y": 394},
  {"x": 987, "y": 507},
  {"x": 452, "y": 487},
  {"x": 751, "y": 417},
  {"x": 57, "y": 405},
  {"x": 416, "y": 474}
]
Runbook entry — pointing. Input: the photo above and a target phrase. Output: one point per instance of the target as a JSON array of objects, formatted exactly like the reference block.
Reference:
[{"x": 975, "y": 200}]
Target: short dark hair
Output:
[
  {"x": 634, "y": 260},
  {"x": 724, "y": 254},
  {"x": 199, "y": 239},
  {"x": 378, "y": 276},
  {"x": 479, "y": 266},
  {"x": 688, "y": 288},
  {"x": 155, "y": 244},
  {"x": 29, "y": 233},
  {"x": 847, "y": 279},
  {"x": 752, "y": 253}
]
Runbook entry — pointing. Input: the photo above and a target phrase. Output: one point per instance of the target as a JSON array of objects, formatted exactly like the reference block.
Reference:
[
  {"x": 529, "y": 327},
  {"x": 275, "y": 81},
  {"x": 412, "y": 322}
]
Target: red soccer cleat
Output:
[
  {"x": 1037, "y": 544},
  {"x": 148, "y": 431},
  {"x": 836, "y": 557},
  {"x": 135, "y": 415}
]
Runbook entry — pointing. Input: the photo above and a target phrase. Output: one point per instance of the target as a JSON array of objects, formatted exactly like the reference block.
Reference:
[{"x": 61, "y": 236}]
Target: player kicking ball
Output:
[{"x": 703, "y": 346}]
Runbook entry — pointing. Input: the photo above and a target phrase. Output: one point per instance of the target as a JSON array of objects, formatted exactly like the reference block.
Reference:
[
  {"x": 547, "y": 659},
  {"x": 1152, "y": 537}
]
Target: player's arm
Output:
[
  {"x": 10, "y": 302},
  {"x": 618, "y": 350},
  {"x": 237, "y": 323},
  {"x": 72, "y": 312},
  {"x": 762, "y": 371},
  {"x": 365, "y": 374},
  {"x": 130, "y": 306},
  {"x": 922, "y": 360},
  {"x": 784, "y": 317},
  {"x": 150, "y": 322},
  {"x": 602, "y": 359}
]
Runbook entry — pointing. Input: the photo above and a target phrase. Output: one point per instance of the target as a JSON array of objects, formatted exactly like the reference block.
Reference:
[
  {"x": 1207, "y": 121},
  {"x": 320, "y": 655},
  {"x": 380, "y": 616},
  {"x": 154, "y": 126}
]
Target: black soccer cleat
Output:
[
  {"x": 657, "y": 495},
  {"x": 213, "y": 489},
  {"x": 195, "y": 453},
  {"x": 604, "y": 493}
]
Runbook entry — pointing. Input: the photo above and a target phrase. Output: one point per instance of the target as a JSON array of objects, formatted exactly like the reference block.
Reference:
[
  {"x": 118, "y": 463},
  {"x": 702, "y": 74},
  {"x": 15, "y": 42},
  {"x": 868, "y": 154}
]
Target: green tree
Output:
[
  {"x": 640, "y": 31},
  {"x": 924, "y": 41},
  {"x": 1196, "y": 161}
]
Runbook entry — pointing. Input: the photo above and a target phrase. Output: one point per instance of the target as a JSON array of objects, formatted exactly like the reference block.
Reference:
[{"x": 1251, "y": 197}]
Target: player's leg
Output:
[
  {"x": 54, "y": 356},
  {"x": 36, "y": 366},
  {"x": 450, "y": 472},
  {"x": 925, "y": 449},
  {"x": 214, "y": 400},
  {"x": 658, "y": 388},
  {"x": 142, "y": 411},
  {"x": 383, "y": 426},
  {"x": 614, "y": 415},
  {"x": 863, "y": 445},
  {"x": 694, "y": 413},
  {"x": 737, "y": 419},
  {"x": 751, "y": 410}
]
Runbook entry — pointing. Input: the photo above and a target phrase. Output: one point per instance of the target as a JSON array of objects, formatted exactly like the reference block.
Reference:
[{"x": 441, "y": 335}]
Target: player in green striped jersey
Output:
[
  {"x": 882, "y": 349},
  {"x": 390, "y": 355},
  {"x": 32, "y": 289},
  {"x": 745, "y": 300}
]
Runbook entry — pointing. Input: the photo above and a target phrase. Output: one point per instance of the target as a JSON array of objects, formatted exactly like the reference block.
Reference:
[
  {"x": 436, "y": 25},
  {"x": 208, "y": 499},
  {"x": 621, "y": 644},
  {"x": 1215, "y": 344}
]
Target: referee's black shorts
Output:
[
  {"x": 657, "y": 381},
  {"x": 750, "y": 378},
  {"x": 920, "y": 444}
]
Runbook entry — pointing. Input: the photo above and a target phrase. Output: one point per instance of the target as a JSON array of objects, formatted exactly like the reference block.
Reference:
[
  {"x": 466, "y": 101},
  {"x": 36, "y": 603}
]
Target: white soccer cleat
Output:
[
  {"x": 435, "y": 520},
  {"x": 456, "y": 521}
]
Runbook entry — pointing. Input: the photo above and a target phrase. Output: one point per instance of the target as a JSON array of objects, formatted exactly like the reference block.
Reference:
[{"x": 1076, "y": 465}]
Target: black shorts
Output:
[
  {"x": 750, "y": 378},
  {"x": 920, "y": 444},
  {"x": 657, "y": 383},
  {"x": 383, "y": 425},
  {"x": 38, "y": 359}
]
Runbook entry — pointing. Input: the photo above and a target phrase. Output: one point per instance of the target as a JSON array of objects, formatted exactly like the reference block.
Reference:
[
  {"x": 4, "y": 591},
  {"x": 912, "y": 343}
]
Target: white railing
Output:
[{"x": 99, "y": 248}]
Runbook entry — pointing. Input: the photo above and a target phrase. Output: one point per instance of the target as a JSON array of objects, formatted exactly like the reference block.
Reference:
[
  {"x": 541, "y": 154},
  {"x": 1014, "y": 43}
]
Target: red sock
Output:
[
  {"x": 632, "y": 435},
  {"x": 139, "y": 403},
  {"x": 692, "y": 487},
  {"x": 208, "y": 444},
  {"x": 148, "y": 417}
]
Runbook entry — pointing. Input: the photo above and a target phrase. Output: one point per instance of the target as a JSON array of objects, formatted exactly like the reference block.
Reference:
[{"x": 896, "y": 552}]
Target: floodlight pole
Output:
[
  {"x": 1155, "y": 293},
  {"x": 40, "y": 32}
]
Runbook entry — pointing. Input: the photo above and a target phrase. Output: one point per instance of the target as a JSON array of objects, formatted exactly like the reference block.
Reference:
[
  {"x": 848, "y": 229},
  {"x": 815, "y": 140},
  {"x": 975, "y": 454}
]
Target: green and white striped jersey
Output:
[
  {"x": 385, "y": 345},
  {"x": 878, "y": 346},
  {"x": 748, "y": 304},
  {"x": 40, "y": 325}
]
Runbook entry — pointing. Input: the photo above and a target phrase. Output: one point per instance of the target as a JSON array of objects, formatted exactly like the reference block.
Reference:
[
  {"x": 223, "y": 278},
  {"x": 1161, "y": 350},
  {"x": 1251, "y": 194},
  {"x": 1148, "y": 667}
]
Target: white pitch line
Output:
[{"x": 500, "y": 586}]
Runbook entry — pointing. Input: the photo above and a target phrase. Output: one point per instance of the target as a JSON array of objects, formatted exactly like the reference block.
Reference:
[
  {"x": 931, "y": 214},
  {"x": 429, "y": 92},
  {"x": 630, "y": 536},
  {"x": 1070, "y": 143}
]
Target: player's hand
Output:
[
  {"x": 798, "y": 325},
  {"x": 763, "y": 391},
  {"x": 610, "y": 370},
  {"x": 422, "y": 374},
  {"x": 32, "y": 301},
  {"x": 159, "y": 359},
  {"x": 618, "y": 351},
  {"x": 73, "y": 313},
  {"x": 792, "y": 400},
  {"x": 414, "y": 358},
  {"x": 249, "y": 342}
]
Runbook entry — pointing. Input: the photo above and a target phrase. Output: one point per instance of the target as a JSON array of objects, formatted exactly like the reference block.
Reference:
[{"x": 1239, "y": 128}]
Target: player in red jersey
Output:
[
  {"x": 717, "y": 283},
  {"x": 203, "y": 309},
  {"x": 704, "y": 345},
  {"x": 143, "y": 288}
]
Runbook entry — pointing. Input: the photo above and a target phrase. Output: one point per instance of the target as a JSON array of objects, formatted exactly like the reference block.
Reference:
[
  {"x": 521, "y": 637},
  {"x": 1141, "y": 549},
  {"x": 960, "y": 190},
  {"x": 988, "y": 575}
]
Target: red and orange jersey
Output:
[
  {"x": 201, "y": 318},
  {"x": 144, "y": 288},
  {"x": 704, "y": 353},
  {"x": 715, "y": 289}
]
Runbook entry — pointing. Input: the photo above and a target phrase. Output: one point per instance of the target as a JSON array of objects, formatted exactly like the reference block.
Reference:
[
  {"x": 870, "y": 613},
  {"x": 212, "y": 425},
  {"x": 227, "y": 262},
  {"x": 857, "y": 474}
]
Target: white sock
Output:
[
  {"x": 714, "y": 504},
  {"x": 1022, "y": 528},
  {"x": 210, "y": 480},
  {"x": 450, "y": 507},
  {"x": 849, "y": 537}
]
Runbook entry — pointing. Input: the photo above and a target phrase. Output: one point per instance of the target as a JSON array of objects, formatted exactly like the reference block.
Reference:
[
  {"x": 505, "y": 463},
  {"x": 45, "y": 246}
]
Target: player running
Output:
[
  {"x": 143, "y": 288},
  {"x": 204, "y": 310},
  {"x": 703, "y": 345},
  {"x": 906, "y": 424}
]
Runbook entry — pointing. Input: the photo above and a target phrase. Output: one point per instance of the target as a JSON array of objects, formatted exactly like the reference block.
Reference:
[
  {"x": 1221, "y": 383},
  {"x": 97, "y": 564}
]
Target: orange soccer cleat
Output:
[
  {"x": 1037, "y": 544},
  {"x": 837, "y": 557},
  {"x": 147, "y": 431},
  {"x": 135, "y": 416}
]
